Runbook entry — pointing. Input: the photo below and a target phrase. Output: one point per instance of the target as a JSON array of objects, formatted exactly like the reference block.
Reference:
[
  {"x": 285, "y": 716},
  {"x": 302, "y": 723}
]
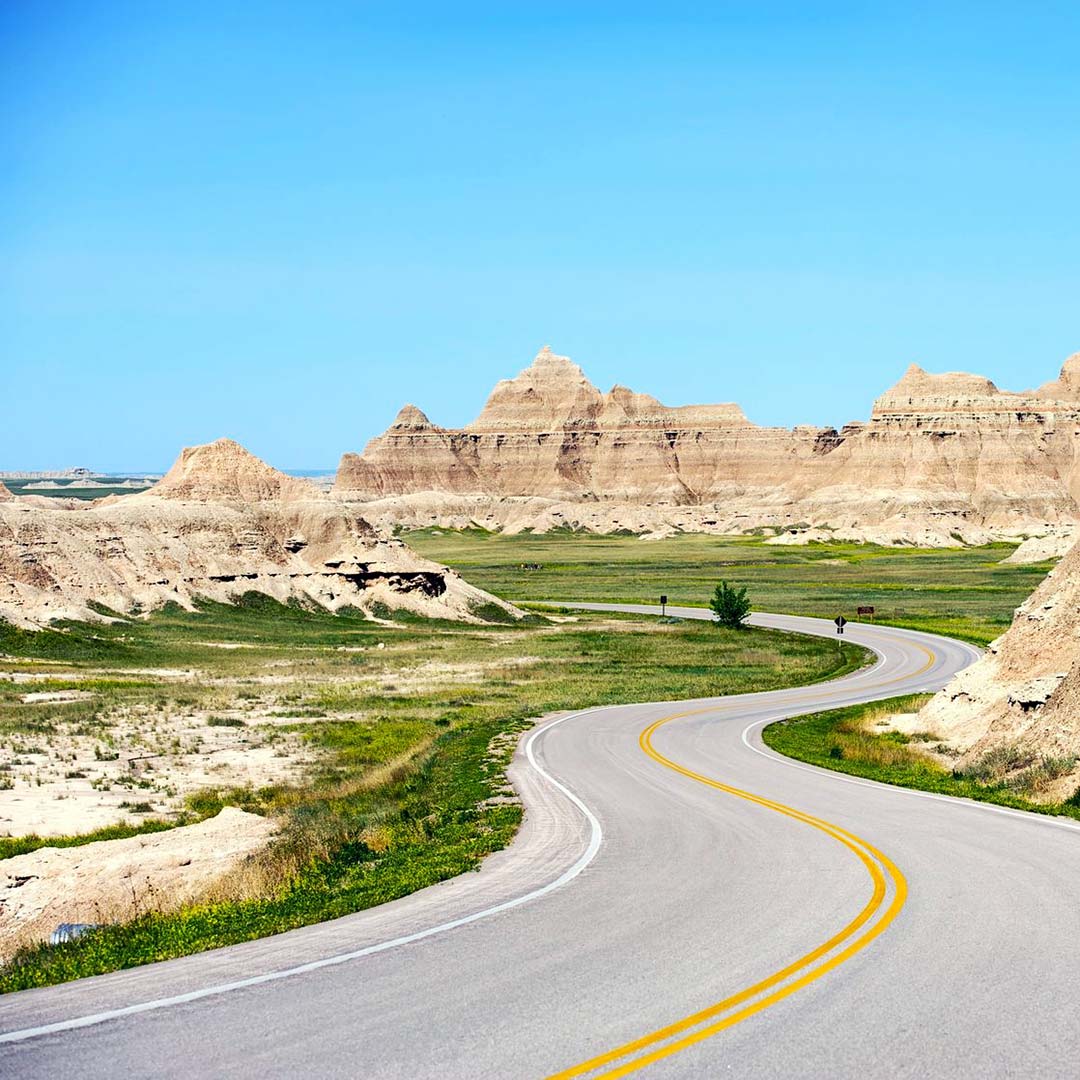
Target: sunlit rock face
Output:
[
  {"x": 1026, "y": 691},
  {"x": 550, "y": 432},
  {"x": 941, "y": 456}
]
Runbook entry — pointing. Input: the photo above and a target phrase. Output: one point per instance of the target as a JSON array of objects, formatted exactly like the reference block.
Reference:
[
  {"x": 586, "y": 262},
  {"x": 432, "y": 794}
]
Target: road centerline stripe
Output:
[{"x": 818, "y": 960}]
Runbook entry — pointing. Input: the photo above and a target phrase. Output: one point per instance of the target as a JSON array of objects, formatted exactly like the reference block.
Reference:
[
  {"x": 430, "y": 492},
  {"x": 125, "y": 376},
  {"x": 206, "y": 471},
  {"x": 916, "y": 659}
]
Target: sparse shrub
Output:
[
  {"x": 993, "y": 766},
  {"x": 730, "y": 606},
  {"x": 224, "y": 721},
  {"x": 1059, "y": 766},
  {"x": 490, "y": 612},
  {"x": 1036, "y": 779}
]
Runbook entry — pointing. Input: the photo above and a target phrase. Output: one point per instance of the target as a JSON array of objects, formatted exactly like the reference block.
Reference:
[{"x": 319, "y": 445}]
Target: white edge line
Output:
[
  {"x": 1029, "y": 816},
  {"x": 586, "y": 857}
]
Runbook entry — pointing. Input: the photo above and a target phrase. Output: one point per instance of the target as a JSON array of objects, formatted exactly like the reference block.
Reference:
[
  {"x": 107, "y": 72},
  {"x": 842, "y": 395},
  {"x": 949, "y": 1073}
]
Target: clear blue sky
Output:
[{"x": 280, "y": 222}]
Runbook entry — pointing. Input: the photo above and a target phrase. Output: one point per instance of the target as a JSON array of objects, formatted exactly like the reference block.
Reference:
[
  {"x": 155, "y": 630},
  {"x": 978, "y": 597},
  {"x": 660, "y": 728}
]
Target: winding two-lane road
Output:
[{"x": 680, "y": 900}]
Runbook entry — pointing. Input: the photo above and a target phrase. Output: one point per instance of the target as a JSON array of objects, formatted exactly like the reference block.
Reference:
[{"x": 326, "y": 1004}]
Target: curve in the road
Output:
[
  {"x": 886, "y": 899},
  {"x": 591, "y": 848},
  {"x": 886, "y": 879}
]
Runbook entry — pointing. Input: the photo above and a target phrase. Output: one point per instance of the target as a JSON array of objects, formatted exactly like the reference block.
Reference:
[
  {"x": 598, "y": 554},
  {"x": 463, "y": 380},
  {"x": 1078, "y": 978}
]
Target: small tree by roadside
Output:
[{"x": 730, "y": 605}]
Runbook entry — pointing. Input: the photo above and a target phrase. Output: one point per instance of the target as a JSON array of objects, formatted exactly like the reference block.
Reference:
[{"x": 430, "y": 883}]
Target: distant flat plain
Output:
[{"x": 965, "y": 592}]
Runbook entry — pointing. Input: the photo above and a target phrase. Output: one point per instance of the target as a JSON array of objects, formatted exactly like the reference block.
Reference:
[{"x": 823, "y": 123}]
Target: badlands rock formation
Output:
[
  {"x": 113, "y": 880},
  {"x": 1026, "y": 689},
  {"x": 942, "y": 457},
  {"x": 220, "y": 524},
  {"x": 5, "y": 494}
]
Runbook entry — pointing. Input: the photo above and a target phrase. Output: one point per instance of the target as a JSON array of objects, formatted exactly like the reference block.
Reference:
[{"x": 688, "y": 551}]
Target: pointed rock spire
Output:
[
  {"x": 410, "y": 418},
  {"x": 550, "y": 393}
]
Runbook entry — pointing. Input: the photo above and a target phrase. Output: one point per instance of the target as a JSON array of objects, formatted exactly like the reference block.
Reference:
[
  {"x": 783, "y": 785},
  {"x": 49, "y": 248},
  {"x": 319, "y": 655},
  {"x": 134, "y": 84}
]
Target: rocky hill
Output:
[
  {"x": 5, "y": 495},
  {"x": 941, "y": 457},
  {"x": 1025, "y": 692},
  {"x": 225, "y": 470},
  {"x": 219, "y": 524}
]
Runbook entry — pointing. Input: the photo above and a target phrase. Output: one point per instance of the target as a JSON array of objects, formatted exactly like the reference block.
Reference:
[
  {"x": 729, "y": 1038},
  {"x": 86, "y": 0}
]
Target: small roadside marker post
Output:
[
  {"x": 663, "y": 606},
  {"x": 841, "y": 622}
]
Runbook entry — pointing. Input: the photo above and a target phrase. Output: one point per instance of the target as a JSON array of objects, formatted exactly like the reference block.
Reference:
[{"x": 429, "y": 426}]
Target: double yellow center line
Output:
[{"x": 871, "y": 921}]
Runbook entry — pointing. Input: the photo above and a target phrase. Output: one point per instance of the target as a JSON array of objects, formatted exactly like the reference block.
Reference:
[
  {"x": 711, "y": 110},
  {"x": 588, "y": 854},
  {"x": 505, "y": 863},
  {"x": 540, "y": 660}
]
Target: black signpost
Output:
[
  {"x": 841, "y": 622},
  {"x": 663, "y": 605}
]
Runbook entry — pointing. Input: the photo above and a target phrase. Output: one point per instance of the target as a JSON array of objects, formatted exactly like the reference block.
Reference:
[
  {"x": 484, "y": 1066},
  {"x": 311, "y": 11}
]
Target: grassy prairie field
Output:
[
  {"x": 963, "y": 592},
  {"x": 850, "y": 741},
  {"x": 402, "y": 729}
]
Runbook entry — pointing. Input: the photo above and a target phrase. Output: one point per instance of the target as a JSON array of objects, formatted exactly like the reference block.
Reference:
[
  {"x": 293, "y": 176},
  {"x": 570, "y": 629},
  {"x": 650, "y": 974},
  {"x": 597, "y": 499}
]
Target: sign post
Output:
[
  {"x": 867, "y": 610},
  {"x": 841, "y": 622},
  {"x": 663, "y": 605}
]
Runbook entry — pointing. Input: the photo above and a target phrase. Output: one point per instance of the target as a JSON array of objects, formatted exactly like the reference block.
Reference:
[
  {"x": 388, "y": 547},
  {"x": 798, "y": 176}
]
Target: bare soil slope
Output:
[
  {"x": 1026, "y": 691},
  {"x": 113, "y": 880}
]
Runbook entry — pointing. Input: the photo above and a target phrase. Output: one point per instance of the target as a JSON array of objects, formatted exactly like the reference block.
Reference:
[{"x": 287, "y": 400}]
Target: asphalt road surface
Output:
[{"x": 680, "y": 901}]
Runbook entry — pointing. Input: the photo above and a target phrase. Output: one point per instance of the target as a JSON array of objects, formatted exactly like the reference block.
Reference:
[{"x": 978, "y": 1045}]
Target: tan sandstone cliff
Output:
[
  {"x": 219, "y": 524},
  {"x": 1026, "y": 689},
  {"x": 941, "y": 457}
]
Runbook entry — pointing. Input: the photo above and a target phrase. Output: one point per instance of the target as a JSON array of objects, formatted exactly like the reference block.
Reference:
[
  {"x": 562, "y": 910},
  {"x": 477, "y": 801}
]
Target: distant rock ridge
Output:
[
  {"x": 554, "y": 394},
  {"x": 221, "y": 523},
  {"x": 941, "y": 458}
]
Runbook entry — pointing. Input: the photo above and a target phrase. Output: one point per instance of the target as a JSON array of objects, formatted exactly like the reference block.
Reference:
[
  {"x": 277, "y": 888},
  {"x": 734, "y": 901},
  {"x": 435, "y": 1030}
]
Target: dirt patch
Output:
[
  {"x": 55, "y": 697},
  {"x": 144, "y": 762}
]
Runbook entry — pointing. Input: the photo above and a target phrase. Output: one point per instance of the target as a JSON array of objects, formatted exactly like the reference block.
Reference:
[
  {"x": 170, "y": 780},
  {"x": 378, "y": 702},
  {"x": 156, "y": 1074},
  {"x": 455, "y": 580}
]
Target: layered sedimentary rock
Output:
[
  {"x": 550, "y": 432},
  {"x": 220, "y": 524},
  {"x": 1026, "y": 690},
  {"x": 941, "y": 457}
]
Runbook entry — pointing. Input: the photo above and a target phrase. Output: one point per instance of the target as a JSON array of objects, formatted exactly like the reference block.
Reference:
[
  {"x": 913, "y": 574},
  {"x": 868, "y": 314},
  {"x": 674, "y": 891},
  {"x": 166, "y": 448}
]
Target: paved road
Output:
[{"x": 719, "y": 910}]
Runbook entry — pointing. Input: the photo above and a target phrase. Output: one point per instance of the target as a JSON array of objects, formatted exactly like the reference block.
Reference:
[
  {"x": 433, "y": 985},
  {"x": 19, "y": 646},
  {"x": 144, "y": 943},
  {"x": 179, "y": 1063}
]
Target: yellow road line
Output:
[{"x": 865, "y": 852}]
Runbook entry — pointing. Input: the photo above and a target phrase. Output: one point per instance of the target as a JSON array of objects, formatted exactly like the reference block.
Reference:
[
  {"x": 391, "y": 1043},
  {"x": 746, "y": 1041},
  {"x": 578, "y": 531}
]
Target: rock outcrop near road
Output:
[
  {"x": 942, "y": 457},
  {"x": 1025, "y": 691},
  {"x": 221, "y": 523}
]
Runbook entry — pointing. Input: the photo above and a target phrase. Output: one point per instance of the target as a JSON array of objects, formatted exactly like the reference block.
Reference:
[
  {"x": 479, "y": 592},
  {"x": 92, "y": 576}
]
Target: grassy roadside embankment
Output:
[
  {"x": 967, "y": 593},
  {"x": 407, "y": 729},
  {"x": 851, "y": 741}
]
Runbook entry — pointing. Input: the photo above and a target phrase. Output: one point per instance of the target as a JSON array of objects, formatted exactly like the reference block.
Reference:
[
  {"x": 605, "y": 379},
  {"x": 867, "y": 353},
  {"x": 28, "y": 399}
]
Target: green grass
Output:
[
  {"x": 20, "y": 845},
  {"x": 963, "y": 592},
  {"x": 410, "y": 752},
  {"x": 845, "y": 740}
]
